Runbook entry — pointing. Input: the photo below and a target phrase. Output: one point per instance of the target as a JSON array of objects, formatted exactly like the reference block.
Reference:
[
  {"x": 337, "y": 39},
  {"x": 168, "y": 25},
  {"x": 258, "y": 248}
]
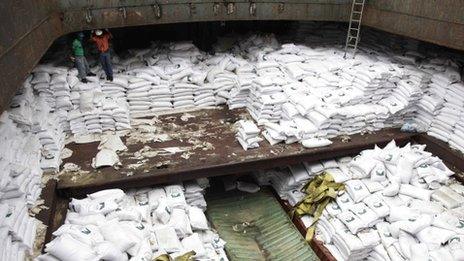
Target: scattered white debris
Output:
[
  {"x": 66, "y": 153},
  {"x": 112, "y": 142},
  {"x": 106, "y": 158},
  {"x": 186, "y": 116},
  {"x": 161, "y": 137},
  {"x": 71, "y": 167},
  {"x": 315, "y": 142}
]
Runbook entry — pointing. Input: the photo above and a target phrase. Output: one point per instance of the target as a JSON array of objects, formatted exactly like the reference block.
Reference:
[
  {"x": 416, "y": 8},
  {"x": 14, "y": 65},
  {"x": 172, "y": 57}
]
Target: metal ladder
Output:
[{"x": 352, "y": 37}]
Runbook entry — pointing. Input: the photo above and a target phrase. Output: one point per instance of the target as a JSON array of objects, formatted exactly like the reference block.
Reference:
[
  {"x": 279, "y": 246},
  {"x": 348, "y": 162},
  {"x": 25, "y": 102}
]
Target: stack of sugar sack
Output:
[
  {"x": 204, "y": 96},
  {"x": 138, "y": 93},
  {"x": 446, "y": 85},
  {"x": 457, "y": 137},
  {"x": 52, "y": 84},
  {"x": 22, "y": 107},
  {"x": 266, "y": 98},
  {"x": 51, "y": 135},
  {"x": 288, "y": 182},
  {"x": 107, "y": 117},
  {"x": 33, "y": 115},
  {"x": 141, "y": 224},
  {"x": 184, "y": 50},
  {"x": 432, "y": 99},
  {"x": 238, "y": 95},
  {"x": 248, "y": 134},
  {"x": 85, "y": 119},
  {"x": 61, "y": 90},
  {"x": 287, "y": 53},
  {"x": 182, "y": 95},
  {"x": 20, "y": 157},
  {"x": 76, "y": 122},
  {"x": 325, "y": 118},
  {"x": 121, "y": 115},
  {"x": 353, "y": 118},
  {"x": 194, "y": 192},
  {"x": 407, "y": 92},
  {"x": 397, "y": 197},
  {"x": 428, "y": 108},
  {"x": 221, "y": 77},
  {"x": 161, "y": 98},
  {"x": 284, "y": 182},
  {"x": 372, "y": 80},
  {"x": 401, "y": 103},
  {"x": 117, "y": 88},
  {"x": 17, "y": 230}
]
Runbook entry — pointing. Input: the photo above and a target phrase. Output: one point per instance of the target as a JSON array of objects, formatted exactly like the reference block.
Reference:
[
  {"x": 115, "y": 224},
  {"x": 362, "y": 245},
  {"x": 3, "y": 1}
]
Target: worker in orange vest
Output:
[{"x": 101, "y": 39}]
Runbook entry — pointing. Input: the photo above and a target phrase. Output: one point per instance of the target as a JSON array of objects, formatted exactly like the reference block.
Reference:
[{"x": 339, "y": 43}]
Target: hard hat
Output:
[{"x": 98, "y": 32}]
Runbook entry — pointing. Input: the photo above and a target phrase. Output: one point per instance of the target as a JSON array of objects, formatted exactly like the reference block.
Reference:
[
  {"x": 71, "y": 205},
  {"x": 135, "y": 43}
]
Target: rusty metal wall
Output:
[
  {"x": 27, "y": 28},
  {"x": 440, "y": 22}
]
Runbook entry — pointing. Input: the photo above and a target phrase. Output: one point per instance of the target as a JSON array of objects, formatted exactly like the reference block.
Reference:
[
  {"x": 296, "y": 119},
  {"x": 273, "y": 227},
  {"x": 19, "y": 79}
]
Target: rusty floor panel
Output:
[
  {"x": 256, "y": 227},
  {"x": 213, "y": 151}
]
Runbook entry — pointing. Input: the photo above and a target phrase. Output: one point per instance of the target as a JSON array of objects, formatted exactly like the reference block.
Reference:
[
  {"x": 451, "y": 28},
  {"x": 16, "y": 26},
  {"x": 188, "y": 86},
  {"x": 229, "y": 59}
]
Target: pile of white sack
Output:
[
  {"x": 20, "y": 186},
  {"x": 399, "y": 204},
  {"x": 32, "y": 114},
  {"x": 94, "y": 111},
  {"x": 140, "y": 224},
  {"x": 288, "y": 181},
  {"x": 307, "y": 91},
  {"x": 248, "y": 134}
]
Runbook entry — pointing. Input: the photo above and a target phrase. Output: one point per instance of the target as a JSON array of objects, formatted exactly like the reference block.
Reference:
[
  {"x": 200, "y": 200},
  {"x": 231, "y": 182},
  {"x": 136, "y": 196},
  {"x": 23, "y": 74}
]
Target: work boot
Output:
[
  {"x": 91, "y": 74},
  {"x": 110, "y": 78},
  {"x": 84, "y": 80}
]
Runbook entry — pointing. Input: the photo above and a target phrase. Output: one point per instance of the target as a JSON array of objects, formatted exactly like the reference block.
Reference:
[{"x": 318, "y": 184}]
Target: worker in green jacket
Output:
[{"x": 79, "y": 59}]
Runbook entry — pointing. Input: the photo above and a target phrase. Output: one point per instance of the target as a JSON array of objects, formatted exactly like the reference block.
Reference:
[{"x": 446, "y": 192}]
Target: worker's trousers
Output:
[
  {"x": 105, "y": 60},
  {"x": 82, "y": 67}
]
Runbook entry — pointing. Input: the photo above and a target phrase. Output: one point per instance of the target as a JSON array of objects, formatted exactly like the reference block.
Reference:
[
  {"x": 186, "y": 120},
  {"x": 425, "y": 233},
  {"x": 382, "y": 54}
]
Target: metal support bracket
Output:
[
  {"x": 253, "y": 9},
  {"x": 88, "y": 16},
  {"x": 193, "y": 9},
  {"x": 230, "y": 8},
  {"x": 157, "y": 11},
  {"x": 123, "y": 12},
  {"x": 216, "y": 7}
]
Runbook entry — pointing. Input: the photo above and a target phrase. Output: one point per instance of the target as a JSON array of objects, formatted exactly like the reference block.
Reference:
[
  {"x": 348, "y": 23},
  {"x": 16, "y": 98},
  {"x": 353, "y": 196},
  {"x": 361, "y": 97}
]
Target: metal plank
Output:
[{"x": 225, "y": 157}]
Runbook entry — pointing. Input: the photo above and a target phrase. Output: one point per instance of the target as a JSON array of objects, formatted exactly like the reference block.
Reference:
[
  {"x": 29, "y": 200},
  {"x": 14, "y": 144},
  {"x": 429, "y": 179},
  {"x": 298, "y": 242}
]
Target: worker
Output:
[
  {"x": 79, "y": 59},
  {"x": 101, "y": 39}
]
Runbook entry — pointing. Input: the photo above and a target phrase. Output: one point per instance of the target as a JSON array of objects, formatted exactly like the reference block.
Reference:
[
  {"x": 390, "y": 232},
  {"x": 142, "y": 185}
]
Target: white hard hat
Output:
[{"x": 98, "y": 32}]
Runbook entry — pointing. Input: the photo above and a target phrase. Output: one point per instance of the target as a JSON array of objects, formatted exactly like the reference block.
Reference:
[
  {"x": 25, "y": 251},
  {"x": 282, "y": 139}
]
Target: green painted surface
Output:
[{"x": 255, "y": 227}]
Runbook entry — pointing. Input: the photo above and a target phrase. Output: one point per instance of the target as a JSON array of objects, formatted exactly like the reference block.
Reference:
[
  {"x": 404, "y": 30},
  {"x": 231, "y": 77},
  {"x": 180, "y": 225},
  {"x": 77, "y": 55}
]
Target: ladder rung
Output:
[
  {"x": 354, "y": 29},
  {"x": 351, "y": 45},
  {"x": 357, "y": 12}
]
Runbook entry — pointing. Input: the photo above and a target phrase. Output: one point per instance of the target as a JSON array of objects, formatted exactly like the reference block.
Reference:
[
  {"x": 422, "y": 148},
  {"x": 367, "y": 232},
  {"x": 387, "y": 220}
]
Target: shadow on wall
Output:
[{"x": 203, "y": 34}]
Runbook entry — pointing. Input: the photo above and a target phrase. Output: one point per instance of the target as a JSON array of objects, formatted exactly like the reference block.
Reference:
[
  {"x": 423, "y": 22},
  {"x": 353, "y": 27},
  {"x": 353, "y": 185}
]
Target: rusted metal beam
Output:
[
  {"x": 106, "y": 17},
  {"x": 225, "y": 156}
]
